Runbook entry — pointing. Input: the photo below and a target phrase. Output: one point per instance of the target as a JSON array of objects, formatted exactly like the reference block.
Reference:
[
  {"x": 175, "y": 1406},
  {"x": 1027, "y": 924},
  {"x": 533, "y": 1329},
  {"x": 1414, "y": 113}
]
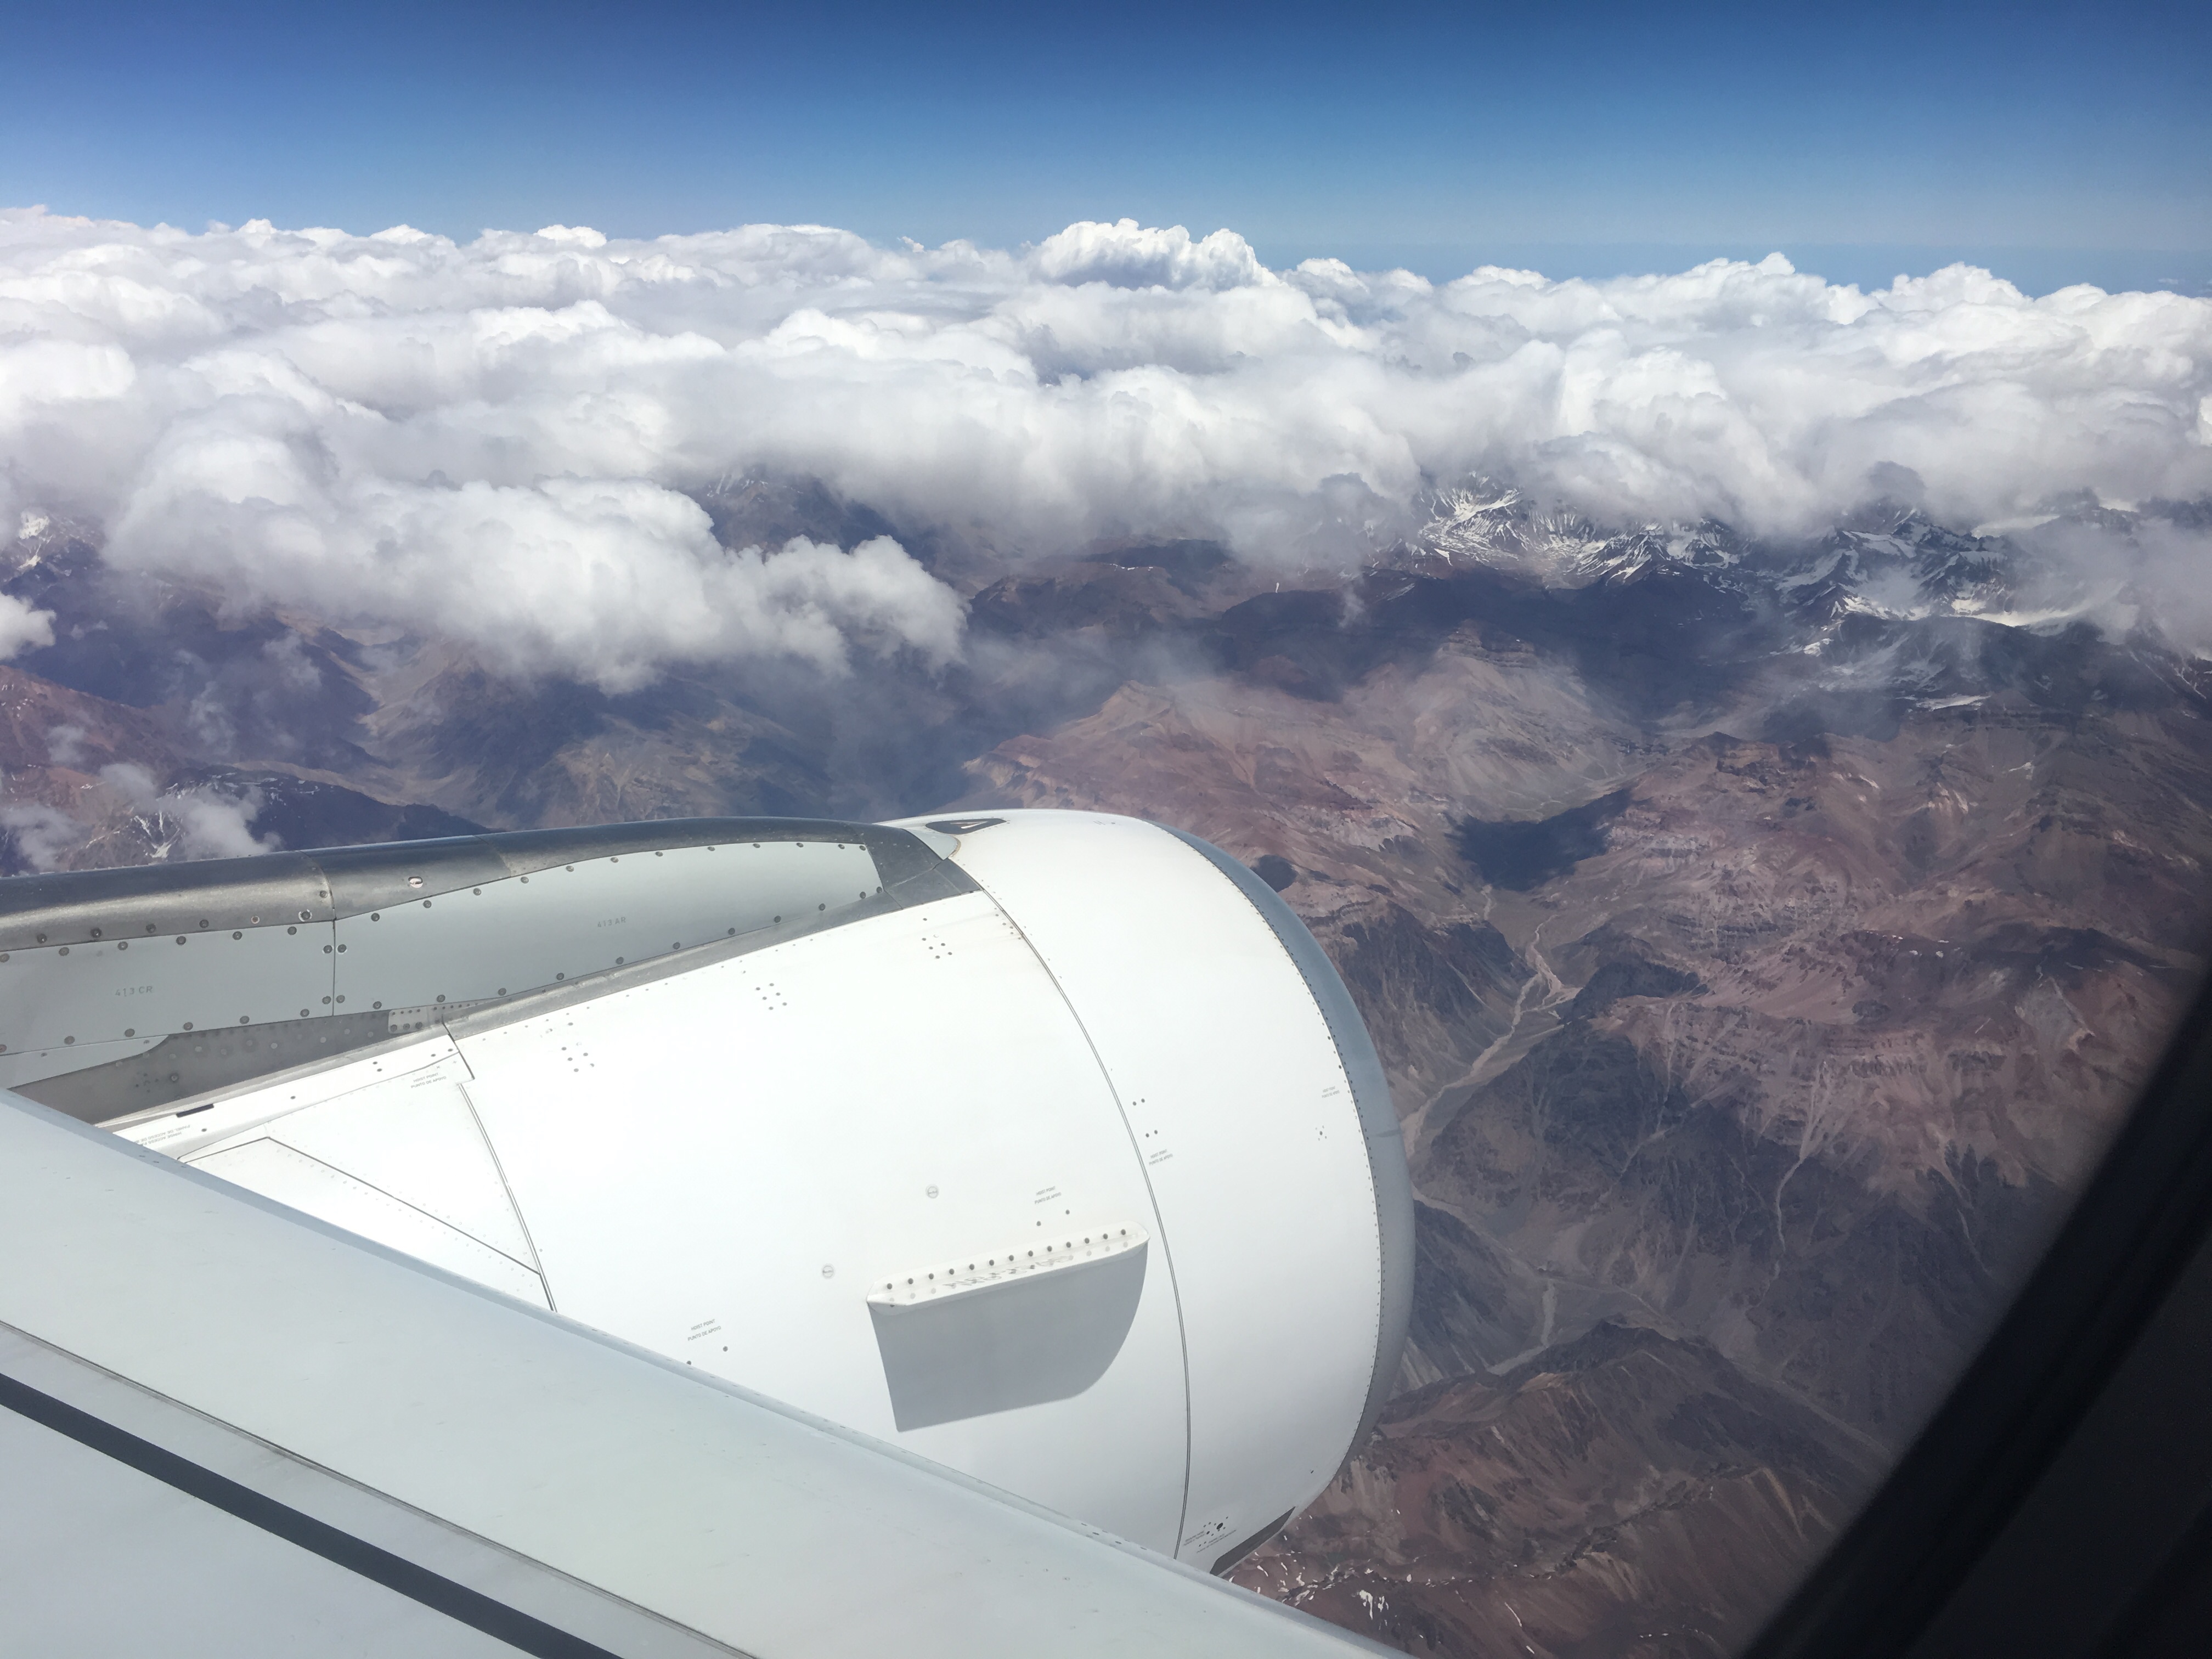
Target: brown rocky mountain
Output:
[
  {"x": 1759, "y": 967},
  {"x": 1622, "y": 1493}
]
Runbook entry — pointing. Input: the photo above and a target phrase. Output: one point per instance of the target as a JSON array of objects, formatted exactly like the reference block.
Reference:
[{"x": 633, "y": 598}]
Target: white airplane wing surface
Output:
[{"x": 227, "y": 1427}]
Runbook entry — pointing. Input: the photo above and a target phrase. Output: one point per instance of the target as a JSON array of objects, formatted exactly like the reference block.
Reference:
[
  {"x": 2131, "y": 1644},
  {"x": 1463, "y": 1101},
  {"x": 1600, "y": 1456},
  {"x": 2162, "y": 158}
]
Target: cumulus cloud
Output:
[
  {"x": 1129, "y": 255},
  {"x": 65, "y": 744},
  {"x": 192, "y": 822},
  {"x": 40, "y": 836},
  {"x": 21, "y": 628},
  {"x": 501, "y": 441}
]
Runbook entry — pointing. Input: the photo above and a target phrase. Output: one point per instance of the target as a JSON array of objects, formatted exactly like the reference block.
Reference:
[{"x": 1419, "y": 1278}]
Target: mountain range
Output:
[{"x": 1762, "y": 937}]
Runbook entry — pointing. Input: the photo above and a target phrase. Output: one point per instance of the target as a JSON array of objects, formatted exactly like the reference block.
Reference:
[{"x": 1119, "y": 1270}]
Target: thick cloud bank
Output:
[{"x": 501, "y": 441}]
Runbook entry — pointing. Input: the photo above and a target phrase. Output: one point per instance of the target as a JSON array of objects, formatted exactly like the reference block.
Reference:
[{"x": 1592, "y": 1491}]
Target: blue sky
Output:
[{"x": 2054, "y": 142}]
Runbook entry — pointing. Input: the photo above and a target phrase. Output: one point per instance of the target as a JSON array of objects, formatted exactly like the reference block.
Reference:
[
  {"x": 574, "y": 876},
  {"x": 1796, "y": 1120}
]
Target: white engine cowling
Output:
[{"x": 1047, "y": 1145}]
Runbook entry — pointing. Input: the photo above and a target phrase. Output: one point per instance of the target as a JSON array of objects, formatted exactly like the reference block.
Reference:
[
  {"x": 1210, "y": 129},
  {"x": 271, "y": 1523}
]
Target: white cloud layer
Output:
[{"x": 498, "y": 441}]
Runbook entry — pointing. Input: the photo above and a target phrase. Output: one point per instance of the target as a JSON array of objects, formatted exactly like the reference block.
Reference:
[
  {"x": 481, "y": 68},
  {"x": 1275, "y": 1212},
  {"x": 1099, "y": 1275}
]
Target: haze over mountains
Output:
[{"x": 1744, "y": 741}]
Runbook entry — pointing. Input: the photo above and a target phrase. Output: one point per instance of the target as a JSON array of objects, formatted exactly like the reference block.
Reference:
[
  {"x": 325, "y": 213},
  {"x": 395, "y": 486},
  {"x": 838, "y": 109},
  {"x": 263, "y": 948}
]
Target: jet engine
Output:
[{"x": 1043, "y": 1145}]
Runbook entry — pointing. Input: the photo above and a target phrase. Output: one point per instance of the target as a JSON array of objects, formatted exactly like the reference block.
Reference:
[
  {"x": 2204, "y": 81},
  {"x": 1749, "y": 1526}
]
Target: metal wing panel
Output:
[
  {"x": 571, "y": 920},
  {"x": 418, "y": 1141},
  {"x": 289, "y": 1176},
  {"x": 56, "y": 997},
  {"x": 183, "y": 1562},
  {"x": 123, "y": 989}
]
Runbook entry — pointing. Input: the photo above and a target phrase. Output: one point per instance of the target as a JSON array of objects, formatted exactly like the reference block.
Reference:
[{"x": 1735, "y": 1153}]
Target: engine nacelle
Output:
[{"x": 1047, "y": 1145}]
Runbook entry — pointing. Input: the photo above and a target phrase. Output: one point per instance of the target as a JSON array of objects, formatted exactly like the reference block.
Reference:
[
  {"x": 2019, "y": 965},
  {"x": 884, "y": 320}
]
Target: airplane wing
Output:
[
  {"x": 231, "y": 1429},
  {"x": 414, "y": 1243}
]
